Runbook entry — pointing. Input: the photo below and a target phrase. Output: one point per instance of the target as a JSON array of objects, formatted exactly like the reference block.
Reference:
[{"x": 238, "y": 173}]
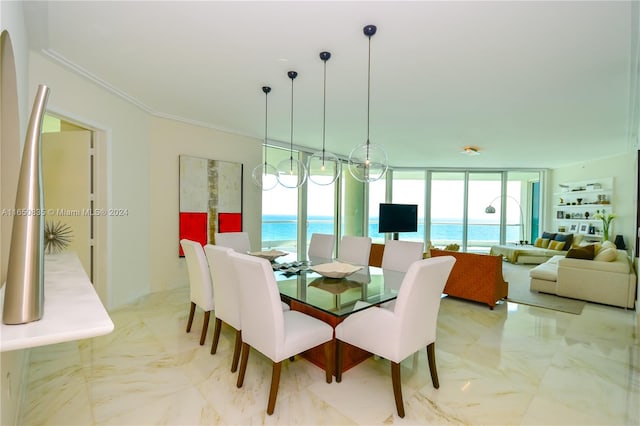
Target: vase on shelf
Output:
[{"x": 24, "y": 289}]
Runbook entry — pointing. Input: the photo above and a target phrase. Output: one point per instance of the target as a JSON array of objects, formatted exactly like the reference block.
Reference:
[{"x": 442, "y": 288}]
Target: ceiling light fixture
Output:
[
  {"x": 292, "y": 173},
  {"x": 324, "y": 167},
  {"x": 367, "y": 162},
  {"x": 470, "y": 150},
  {"x": 264, "y": 175}
]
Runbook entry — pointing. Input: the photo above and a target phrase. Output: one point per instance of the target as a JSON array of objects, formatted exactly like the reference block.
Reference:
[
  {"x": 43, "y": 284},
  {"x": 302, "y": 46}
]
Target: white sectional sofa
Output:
[{"x": 609, "y": 282}]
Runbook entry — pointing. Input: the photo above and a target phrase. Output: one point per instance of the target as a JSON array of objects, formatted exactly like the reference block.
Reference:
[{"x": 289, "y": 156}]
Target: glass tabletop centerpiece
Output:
[
  {"x": 335, "y": 269},
  {"x": 270, "y": 255}
]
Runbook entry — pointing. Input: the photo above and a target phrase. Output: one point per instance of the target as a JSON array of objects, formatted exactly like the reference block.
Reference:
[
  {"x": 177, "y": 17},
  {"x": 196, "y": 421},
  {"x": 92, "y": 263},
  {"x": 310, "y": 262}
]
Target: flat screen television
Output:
[{"x": 398, "y": 218}]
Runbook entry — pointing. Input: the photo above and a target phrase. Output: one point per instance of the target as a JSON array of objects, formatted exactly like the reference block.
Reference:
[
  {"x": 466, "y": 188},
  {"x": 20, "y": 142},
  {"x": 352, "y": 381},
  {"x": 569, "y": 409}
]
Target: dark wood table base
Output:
[{"x": 351, "y": 355}]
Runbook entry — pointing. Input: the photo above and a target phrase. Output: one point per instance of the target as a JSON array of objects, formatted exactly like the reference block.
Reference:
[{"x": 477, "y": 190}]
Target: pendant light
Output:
[
  {"x": 324, "y": 167},
  {"x": 291, "y": 172},
  {"x": 367, "y": 162},
  {"x": 264, "y": 175}
]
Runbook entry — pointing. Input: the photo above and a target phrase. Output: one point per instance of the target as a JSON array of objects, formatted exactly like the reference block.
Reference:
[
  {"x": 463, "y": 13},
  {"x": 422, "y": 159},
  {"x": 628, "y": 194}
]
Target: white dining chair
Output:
[
  {"x": 354, "y": 250},
  {"x": 227, "y": 300},
  {"x": 239, "y": 241},
  {"x": 321, "y": 247},
  {"x": 411, "y": 325},
  {"x": 275, "y": 333},
  {"x": 399, "y": 255},
  {"x": 200, "y": 287}
]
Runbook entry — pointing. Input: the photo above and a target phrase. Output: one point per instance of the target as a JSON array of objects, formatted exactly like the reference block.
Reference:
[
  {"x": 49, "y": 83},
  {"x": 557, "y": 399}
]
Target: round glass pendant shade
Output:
[
  {"x": 291, "y": 173},
  {"x": 324, "y": 168},
  {"x": 265, "y": 176},
  {"x": 368, "y": 163}
]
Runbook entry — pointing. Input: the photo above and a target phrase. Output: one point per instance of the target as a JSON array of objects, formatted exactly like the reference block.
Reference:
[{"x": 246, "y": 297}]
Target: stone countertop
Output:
[{"x": 72, "y": 308}]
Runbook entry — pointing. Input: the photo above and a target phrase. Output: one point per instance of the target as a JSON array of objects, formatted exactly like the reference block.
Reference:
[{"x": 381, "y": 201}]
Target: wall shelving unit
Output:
[{"x": 576, "y": 204}]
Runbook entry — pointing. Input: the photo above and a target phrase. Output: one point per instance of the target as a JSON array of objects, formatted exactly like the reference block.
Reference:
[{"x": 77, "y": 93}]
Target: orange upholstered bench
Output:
[{"x": 476, "y": 277}]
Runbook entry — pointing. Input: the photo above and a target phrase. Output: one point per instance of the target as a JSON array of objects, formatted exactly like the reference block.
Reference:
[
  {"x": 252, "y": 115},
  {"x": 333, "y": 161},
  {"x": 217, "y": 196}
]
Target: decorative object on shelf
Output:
[
  {"x": 24, "y": 289},
  {"x": 57, "y": 236},
  {"x": 292, "y": 173},
  {"x": 491, "y": 210},
  {"x": 559, "y": 214},
  {"x": 367, "y": 162},
  {"x": 264, "y": 175},
  {"x": 586, "y": 215},
  {"x": 592, "y": 230},
  {"x": 324, "y": 167},
  {"x": 579, "y": 200},
  {"x": 606, "y": 222},
  {"x": 619, "y": 242}
]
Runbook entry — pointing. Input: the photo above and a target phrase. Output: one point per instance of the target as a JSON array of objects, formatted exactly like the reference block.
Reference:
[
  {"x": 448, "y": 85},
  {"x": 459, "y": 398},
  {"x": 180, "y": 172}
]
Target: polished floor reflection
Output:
[{"x": 514, "y": 365}]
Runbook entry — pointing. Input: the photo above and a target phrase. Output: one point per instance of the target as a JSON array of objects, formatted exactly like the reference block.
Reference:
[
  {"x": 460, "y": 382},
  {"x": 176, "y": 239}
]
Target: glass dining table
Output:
[{"x": 334, "y": 299}]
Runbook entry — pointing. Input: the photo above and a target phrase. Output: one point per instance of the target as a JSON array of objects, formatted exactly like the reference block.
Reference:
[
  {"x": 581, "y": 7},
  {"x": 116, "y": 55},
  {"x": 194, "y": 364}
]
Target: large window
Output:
[
  {"x": 279, "y": 212},
  {"x": 408, "y": 187},
  {"x": 474, "y": 209},
  {"x": 446, "y": 208}
]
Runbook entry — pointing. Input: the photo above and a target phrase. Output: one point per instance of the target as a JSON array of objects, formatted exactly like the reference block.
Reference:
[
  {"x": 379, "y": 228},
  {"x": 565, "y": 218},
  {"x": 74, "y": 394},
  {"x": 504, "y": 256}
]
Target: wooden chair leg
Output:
[
  {"x": 216, "y": 335},
  {"x": 205, "y": 326},
  {"x": 431, "y": 356},
  {"x": 275, "y": 383},
  {"x": 191, "y": 313},
  {"x": 243, "y": 364},
  {"x": 328, "y": 361},
  {"x": 338, "y": 361},
  {"x": 236, "y": 351},
  {"x": 397, "y": 387}
]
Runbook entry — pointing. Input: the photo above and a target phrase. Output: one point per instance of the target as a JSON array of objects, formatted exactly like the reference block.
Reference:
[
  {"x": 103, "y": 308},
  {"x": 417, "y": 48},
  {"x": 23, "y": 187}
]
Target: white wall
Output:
[
  {"x": 169, "y": 139},
  {"x": 127, "y": 128},
  {"x": 623, "y": 170}
]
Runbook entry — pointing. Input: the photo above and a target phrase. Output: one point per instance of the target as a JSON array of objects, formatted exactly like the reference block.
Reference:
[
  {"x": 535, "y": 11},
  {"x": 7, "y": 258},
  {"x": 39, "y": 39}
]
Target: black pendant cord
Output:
[
  {"x": 292, "y": 75},
  {"x": 368, "y": 94},
  {"x": 324, "y": 109},
  {"x": 369, "y": 31},
  {"x": 266, "y": 90},
  {"x": 325, "y": 56}
]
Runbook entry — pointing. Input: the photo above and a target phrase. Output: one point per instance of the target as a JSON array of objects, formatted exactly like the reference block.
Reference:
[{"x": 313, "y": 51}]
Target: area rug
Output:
[{"x": 518, "y": 278}]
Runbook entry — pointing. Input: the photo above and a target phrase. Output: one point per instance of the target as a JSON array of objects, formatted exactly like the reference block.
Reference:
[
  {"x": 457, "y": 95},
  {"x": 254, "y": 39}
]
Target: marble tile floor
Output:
[{"x": 515, "y": 365}]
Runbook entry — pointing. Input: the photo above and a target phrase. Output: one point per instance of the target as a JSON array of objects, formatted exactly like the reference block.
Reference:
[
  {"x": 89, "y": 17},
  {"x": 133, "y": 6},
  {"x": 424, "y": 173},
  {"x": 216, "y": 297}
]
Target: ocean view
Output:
[{"x": 283, "y": 228}]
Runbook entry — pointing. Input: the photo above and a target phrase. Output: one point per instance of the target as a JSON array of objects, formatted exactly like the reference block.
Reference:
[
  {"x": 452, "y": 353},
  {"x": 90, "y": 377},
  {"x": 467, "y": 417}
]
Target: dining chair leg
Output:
[
  {"x": 236, "y": 351},
  {"x": 328, "y": 361},
  {"x": 216, "y": 335},
  {"x": 397, "y": 387},
  {"x": 191, "y": 313},
  {"x": 205, "y": 326},
  {"x": 243, "y": 364},
  {"x": 431, "y": 356},
  {"x": 338, "y": 361},
  {"x": 275, "y": 383}
]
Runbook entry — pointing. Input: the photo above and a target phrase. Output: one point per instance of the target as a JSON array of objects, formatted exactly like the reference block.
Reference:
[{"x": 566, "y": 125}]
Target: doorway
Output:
[{"x": 72, "y": 167}]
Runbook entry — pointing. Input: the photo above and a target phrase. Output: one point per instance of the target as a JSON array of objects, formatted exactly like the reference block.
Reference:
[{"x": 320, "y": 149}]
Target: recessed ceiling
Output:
[{"x": 530, "y": 84}]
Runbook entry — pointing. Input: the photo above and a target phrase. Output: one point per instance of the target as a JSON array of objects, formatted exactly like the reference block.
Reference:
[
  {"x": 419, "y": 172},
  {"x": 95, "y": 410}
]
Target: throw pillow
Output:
[
  {"x": 542, "y": 242},
  {"x": 556, "y": 245},
  {"x": 549, "y": 235},
  {"x": 585, "y": 252},
  {"x": 567, "y": 238},
  {"x": 608, "y": 244},
  {"x": 607, "y": 255}
]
